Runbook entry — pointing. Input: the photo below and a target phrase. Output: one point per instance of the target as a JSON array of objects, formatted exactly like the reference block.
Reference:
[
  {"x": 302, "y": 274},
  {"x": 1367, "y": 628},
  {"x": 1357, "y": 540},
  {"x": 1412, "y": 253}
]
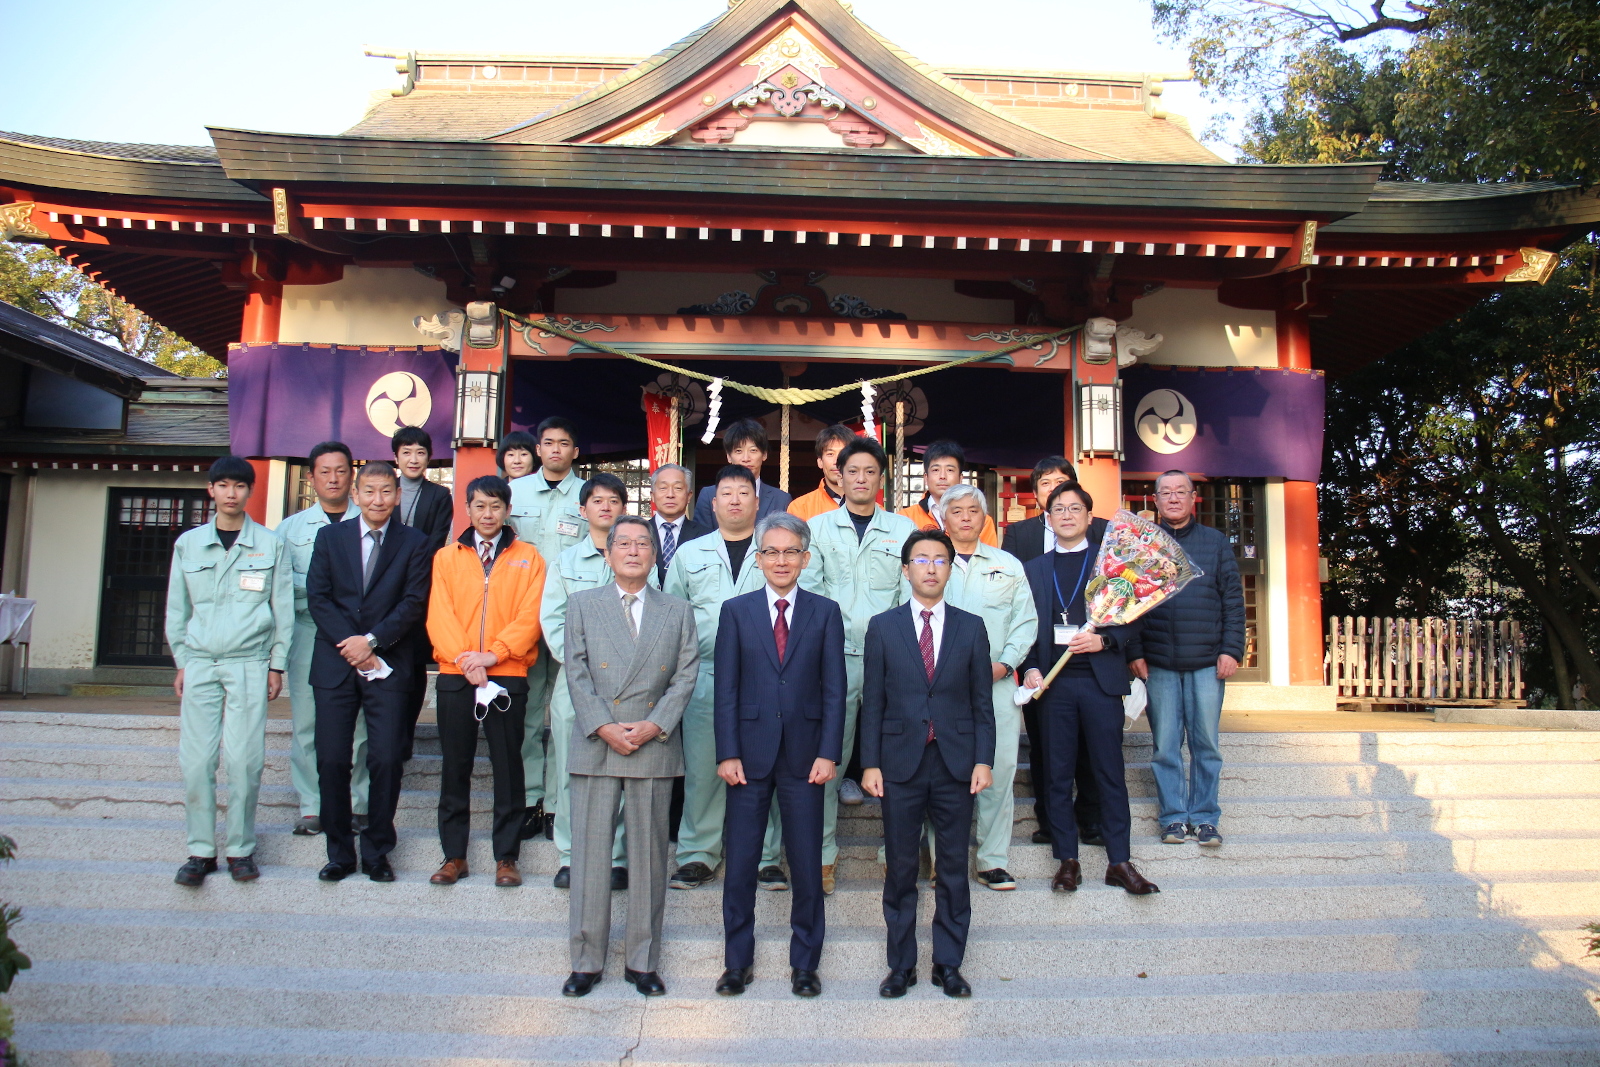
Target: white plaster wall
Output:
[
  {"x": 664, "y": 292},
  {"x": 66, "y": 554},
  {"x": 368, "y": 306},
  {"x": 1200, "y": 332}
]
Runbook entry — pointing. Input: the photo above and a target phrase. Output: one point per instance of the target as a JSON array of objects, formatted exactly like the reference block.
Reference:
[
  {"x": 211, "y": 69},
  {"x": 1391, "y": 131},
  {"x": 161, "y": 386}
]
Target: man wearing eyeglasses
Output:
[
  {"x": 707, "y": 572},
  {"x": 1192, "y": 645}
]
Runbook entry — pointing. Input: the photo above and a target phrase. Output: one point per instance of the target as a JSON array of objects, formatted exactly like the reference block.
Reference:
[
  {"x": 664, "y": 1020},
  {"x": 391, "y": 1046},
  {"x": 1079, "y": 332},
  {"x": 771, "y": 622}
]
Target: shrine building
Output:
[{"x": 783, "y": 198}]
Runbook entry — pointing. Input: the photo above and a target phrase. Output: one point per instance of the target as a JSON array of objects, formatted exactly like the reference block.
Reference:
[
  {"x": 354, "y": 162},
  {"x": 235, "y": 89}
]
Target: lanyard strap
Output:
[{"x": 1083, "y": 578}]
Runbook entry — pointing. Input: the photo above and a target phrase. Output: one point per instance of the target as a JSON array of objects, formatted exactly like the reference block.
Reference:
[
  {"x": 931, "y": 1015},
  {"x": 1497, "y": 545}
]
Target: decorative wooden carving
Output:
[
  {"x": 16, "y": 220},
  {"x": 1537, "y": 266},
  {"x": 857, "y": 133}
]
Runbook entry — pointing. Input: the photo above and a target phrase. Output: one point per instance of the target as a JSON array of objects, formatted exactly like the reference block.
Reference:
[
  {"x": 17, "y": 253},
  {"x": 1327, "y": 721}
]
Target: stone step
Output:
[
  {"x": 141, "y": 840},
  {"x": 57, "y": 883}
]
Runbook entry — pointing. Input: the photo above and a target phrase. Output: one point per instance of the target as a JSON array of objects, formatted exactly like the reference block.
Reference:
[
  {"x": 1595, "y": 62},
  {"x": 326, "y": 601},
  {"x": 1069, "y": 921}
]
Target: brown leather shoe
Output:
[
  {"x": 451, "y": 873},
  {"x": 1126, "y": 876},
  {"x": 505, "y": 874},
  {"x": 828, "y": 882},
  {"x": 1068, "y": 878}
]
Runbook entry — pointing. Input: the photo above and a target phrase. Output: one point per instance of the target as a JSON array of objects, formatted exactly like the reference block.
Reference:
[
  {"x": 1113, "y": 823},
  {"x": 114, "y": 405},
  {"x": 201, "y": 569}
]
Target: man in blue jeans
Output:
[{"x": 1192, "y": 644}]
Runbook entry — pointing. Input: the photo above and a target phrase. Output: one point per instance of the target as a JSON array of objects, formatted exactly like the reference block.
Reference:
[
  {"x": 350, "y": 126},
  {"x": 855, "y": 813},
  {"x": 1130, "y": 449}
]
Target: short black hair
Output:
[
  {"x": 328, "y": 447},
  {"x": 411, "y": 435},
  {"x": 603, "y": 481},
  {"x": 744, "y": 432},
  {"x": 863, "y": 446},
  {"x": 1054, "y": 463},
  {"x": 945, "y": 450},
  {"x": 379, "y": 467},
  {"x": 232, "y": 469},
  {"x": 556, "y": 422},
  {"x": 516, "y": 439},
  {"x": 932, "y": 533},
  {"x": 490, "y": 485},
  {"x": 736, "y": 472},
  {"x": 837, "y": 432},
  {"x": 1070, "y": 486}
]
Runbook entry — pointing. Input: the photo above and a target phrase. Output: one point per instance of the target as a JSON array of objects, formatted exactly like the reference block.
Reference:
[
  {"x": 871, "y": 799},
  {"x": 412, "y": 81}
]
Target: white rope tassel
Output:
[
  {"x": 713, "y": 410},
  {"x": 868, "y": 391}
]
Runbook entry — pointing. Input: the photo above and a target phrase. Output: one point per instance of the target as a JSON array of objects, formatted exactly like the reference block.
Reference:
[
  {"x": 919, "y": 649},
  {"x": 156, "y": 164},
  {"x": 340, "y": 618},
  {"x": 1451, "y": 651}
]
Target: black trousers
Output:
[
  {"x": 800, "y": 804},
  {"x": 937, "y": 796},
  {"x": 419, "y": 688},
  {"x": 1086, "y": 808},
  {"x": 1079, "y": 718},
  {"x": 385, "y": 709},
  {"x": 458, "y": 745}
]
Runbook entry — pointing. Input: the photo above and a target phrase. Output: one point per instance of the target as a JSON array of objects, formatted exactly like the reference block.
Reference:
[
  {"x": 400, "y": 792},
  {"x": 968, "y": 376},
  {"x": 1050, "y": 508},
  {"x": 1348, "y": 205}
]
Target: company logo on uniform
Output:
[
  {"x": 1165, "y": 422},
  {"x": 398, "y": 399}
]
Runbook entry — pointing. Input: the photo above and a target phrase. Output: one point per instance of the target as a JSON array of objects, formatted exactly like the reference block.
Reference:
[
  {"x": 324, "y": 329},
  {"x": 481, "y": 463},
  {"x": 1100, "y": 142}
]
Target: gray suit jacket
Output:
[{"x": 612, "y": 678}]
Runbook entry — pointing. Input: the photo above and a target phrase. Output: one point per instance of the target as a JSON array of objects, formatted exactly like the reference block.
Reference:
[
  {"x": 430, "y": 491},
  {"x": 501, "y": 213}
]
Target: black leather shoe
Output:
[
  {"x": 532, "y": 823},
  {"x": 194, "y": 870},
  {"x": 1091, "y": 835},
  {"x": 647, "y": 982},
  {"x": 619, "y": 878},
  {"x": 579, "y": 983},
  {"x": 897, "y": 983},
  {"x": 378, "y": 871},
  {"x": 308, "y": 826},
  {"x": 805, "y": 983},
  {"x": 549, "y": 826},
  {"x": 563, "y": 878},
  {"x": 337, "y": 872},
  {"x": 243, "y": 868},
  {"x": 734, "y": 979},
  {"x": 1042, "y": 837},
  {"x": 949, "y": 979}
]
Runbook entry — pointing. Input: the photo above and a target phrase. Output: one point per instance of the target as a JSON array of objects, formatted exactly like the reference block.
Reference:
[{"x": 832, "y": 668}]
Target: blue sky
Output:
[{"x": 159, "y": 71}]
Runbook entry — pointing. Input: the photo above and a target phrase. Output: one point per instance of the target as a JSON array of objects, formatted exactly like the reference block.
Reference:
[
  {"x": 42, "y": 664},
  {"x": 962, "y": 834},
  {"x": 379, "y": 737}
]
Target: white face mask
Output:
[{"x": 491, "y": 696}]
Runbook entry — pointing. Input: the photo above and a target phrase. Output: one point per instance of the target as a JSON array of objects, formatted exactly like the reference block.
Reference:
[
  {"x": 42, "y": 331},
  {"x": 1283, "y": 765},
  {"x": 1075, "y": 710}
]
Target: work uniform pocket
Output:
[{"x": 883, "y": 568}]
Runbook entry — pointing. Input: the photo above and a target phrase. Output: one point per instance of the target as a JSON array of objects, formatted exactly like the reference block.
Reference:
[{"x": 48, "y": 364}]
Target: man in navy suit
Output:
[
  {"x": 367, "y": 587},
  {"x": 745, "y": 444},
  {"x": 927, "y": 748},
  {"x": 780, "y": 689}
]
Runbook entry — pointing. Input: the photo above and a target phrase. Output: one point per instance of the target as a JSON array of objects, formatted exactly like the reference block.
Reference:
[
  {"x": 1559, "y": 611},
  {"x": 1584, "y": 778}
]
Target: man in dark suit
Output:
[
  {"x": 671, "y": 526},
  {"x": 745, "y": 443},
  {"x": 780, "y": 691},
  {"x": 1083, "y": 706},
  {"x": 1027, "y": 540},
  {"x": 367, "y": 588},
  {"x": 425, "y": 506},
  {"x": 927, "y": 748}
]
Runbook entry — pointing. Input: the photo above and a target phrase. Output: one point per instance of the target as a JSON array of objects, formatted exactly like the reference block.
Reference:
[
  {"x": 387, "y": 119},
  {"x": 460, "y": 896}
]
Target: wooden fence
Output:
[{"x": 1425, "y": 660}]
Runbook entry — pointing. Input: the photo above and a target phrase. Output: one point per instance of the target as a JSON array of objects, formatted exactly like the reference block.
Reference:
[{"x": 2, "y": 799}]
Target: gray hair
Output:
[
  {"x": 1174, "y": 474},
  {"x": 628, "y": 520},
  {"x": 962, "y": 491},
  {"x": 782, "y": 520},
  {"x": 688, "y": 475}
]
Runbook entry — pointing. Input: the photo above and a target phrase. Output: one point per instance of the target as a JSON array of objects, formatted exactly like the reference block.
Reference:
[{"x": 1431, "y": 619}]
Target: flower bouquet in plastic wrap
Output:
[{"x": 1139, "y": 565}]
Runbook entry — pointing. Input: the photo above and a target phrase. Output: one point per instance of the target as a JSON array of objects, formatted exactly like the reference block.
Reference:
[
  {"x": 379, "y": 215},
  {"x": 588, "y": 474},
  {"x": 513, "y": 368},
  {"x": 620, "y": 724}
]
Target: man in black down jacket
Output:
[{"x": 1192, "y": 644}]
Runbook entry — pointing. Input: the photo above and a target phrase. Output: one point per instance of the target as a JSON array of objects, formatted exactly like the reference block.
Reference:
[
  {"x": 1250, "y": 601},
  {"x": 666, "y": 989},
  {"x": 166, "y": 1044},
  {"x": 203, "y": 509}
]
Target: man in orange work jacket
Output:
[
  {"x": 483, "y": 620},
  {"x": 830, "y": 491},
  {"x": 942, "y": 465}
]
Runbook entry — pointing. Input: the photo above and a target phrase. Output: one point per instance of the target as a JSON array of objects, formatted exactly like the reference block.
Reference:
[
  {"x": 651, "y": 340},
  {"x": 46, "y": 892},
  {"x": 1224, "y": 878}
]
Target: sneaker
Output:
[
  {"x": 1174, "y": 833},
  {"x": 828, "y": 882},
  {"x": 563, "y": 878},
  {"x": 1207, "y": 835},
  {"x": 308, "y": 826},
  {"x": 243, "y": 868},
  {"x": 772, "y": 878},
  {"x": 850, "y": 792},
  {"x": 691, "y": 876},
  {"x": 194, "y": 871},
  {"x": 999, "y": 878}
]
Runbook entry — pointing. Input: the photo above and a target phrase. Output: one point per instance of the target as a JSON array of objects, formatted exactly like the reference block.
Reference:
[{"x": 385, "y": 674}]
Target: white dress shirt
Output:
[
  {"x": 937, "y": 622},
  {"x": 366, "y": 542},
  {"x": 1052, "y": 546},
  {"x": 676, "y": 524},
  {"x": 637, "y": 608},
  {"x": 773, "y": 597}
]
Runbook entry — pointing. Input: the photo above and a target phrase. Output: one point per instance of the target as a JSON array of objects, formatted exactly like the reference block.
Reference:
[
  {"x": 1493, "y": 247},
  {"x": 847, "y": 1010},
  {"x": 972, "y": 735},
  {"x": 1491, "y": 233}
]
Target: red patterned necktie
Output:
[
  {"x": 780, "y": 629},
  {"x": 486, "y": 552},
  {"x": 925, "y": 642}
]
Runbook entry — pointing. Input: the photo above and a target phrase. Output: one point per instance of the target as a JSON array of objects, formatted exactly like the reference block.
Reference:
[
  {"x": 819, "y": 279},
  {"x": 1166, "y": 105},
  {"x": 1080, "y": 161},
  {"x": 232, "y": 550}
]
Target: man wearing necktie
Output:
[
  {"x": 670, "y": 526},
  {"x": 927, "y": 748}
]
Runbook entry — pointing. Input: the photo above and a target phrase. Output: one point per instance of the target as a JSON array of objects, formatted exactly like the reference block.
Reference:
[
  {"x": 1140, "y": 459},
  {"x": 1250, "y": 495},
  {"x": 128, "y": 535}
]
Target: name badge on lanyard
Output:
[{"x": 1064, "y": 630}]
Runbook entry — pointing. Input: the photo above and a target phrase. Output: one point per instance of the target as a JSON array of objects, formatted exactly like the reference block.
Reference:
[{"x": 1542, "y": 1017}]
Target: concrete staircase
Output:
[{"x": 1383, "y": 898}]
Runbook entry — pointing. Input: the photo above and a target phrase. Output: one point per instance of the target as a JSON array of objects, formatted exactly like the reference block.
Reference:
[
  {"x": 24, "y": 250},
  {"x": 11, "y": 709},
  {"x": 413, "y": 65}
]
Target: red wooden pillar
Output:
[
  {"x": 473, "y": 461},
  {"x": 263, "y": 310},
  {"x": 1302, "y": 571}
]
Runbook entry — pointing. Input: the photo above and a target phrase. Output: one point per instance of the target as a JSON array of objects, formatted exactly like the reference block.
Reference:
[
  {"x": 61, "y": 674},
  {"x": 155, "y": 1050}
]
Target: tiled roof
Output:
[
  {"x": 1122, "y": 133},
  {"x": 153, "y": 153},
  {"x": 433, "y": 115},
  {"x": 41, "y": 342}
]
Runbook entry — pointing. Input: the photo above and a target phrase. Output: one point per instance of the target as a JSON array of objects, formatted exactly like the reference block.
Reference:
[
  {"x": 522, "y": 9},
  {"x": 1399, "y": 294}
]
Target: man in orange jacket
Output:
[
  {"x": 483, "y": 620},
  {"x": 827, "y": 495},
  {"x": 942, "y": 464}
]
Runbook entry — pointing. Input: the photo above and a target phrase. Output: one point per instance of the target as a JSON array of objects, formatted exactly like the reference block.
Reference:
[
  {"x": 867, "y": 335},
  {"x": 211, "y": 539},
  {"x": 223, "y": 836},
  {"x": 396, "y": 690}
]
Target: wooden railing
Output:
[{"x": 1425, "y": 660}]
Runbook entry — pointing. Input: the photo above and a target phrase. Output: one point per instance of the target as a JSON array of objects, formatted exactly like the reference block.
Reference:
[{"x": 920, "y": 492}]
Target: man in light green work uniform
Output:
[
  {"x": 705, "y": 572},
  {"x": 855, "y": 561},
  {"x": 331, "y": 469},
  {"x": 230, "y": 618},
  {"x": 991, "y": 584},
  {"x": 602, "y": 501},
  {"x": 544, "y": 513}
]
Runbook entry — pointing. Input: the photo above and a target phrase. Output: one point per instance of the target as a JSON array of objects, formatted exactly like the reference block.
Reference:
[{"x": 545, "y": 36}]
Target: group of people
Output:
[{"x": 715, "y": 681}]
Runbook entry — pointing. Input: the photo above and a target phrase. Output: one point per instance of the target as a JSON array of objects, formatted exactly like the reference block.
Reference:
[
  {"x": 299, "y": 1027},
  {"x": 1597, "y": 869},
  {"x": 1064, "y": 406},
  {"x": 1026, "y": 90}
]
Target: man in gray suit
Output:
[{"x": 632, "y": 657}]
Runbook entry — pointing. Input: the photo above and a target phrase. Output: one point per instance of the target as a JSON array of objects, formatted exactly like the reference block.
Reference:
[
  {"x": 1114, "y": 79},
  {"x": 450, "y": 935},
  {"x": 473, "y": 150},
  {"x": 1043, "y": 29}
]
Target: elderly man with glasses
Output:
[{"x": 1192, "y": 644}]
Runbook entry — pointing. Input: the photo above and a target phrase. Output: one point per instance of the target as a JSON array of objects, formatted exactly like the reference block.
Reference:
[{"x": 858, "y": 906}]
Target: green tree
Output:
[{"x": 38, "y": 280}]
